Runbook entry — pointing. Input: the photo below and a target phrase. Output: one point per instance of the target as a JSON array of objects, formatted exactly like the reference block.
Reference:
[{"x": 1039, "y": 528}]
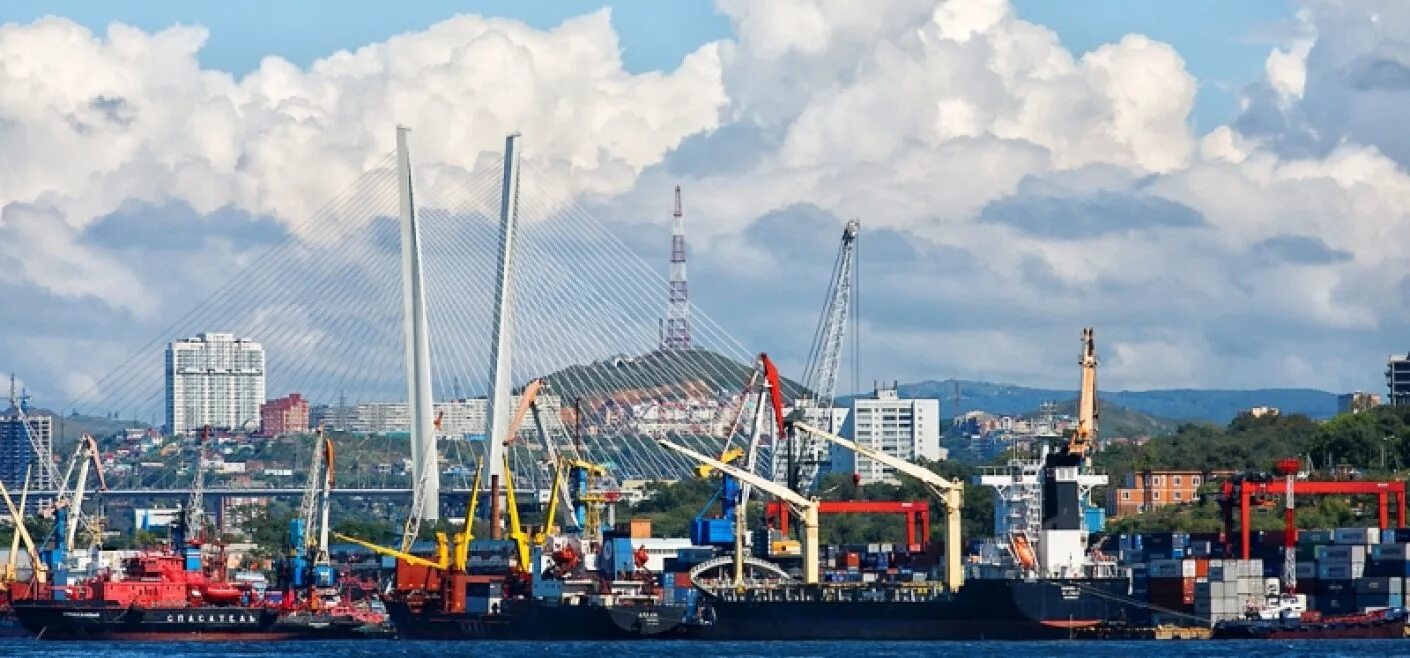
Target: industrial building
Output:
[
  {"x": 905, "y": 428},
  {"x": 214, "y": 379}
]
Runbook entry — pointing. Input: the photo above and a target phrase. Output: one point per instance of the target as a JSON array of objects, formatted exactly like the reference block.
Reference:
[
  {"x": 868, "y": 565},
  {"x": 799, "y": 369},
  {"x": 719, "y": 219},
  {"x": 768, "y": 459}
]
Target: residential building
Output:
[
  {"x": 214, "y": 379},
  {"x": 1398, "y": 379},
  {"x": 26, "y": 446},
  {"x": 458, "y": 418},
  {"x": 901, "y": 427},
  {"x": 1357, "y": 402},
  {"x": 286, "y": 415},
  {"x": 1149, "y": 489},
  {"x": 1260, "y": 412}
]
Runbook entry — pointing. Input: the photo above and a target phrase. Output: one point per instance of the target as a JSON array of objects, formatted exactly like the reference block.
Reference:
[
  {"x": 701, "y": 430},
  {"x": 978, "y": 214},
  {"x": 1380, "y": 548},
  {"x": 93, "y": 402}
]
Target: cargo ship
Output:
[
  {"x": 983, "y": 609},
  {"x": 487, "y": 597},
  {"x": 1041, "y": 580}
]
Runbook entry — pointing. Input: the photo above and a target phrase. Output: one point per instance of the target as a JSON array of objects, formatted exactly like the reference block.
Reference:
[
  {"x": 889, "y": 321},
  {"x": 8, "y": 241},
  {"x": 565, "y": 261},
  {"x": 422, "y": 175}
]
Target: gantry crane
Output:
[
  {"x": 950, "y": 493},
  {"x": 824, "y": 362},
  {"x": 805, "y": 508}
]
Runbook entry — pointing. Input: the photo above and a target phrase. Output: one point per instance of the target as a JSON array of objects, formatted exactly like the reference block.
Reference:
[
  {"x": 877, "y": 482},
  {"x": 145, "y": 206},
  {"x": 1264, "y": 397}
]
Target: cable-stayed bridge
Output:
[{"x": 569, "y": 301}]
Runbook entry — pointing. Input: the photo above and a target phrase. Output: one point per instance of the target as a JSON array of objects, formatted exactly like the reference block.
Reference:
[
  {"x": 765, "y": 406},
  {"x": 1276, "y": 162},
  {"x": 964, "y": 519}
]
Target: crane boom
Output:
[
  {"x": 442, "y": 554},
  {"x": 805, "y": 507},
  {"x": 17, "y": 516},
  {"x": 1085, "y": 438},
  {"x": 950, "y": 493},
  {"x": 15, "y": 537},
  {"x": 825, "y": 357},
  {"x": 462, "y": 539}
]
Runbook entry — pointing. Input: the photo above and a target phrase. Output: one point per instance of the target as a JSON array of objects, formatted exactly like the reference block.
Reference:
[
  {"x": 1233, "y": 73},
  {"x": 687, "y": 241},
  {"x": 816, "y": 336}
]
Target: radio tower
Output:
[{"x": 675, "y": 328}]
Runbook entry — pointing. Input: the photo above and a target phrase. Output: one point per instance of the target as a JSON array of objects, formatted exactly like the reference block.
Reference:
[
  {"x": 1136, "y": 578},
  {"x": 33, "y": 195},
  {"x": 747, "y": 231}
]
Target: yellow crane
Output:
[
  {"x": 461, "y": 545},
  {"x": 541, "y": 537},
  {"x": 10, "y": 569},
  {"x": 950, "y": 493},
  {"x": 805, "y": 508},
  {"x": 41, "y": 573},
  {"x": 516, "y": 530},
  {"x": 450, "y": 552},
  {"x": 1085, "y": 437}
]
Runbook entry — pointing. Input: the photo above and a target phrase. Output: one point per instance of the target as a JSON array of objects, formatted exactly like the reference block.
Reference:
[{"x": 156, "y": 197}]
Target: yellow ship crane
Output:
[
  {"x": 1085, "y": 438},
  {"x": 541, "y": 536},
  {"x": 805, "y": 508},
  {"x": 950, "y": 493},
  {"x": 461, "y": 544},
  {"x": 10, "y": 570},
  {"x": 516, "y": 530},
  {"x": 41, "y": 572}
]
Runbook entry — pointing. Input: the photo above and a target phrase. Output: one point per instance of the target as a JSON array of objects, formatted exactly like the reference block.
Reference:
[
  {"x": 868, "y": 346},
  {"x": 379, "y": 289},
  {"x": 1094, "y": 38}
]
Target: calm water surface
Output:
[{"x": 392, "y": 648}]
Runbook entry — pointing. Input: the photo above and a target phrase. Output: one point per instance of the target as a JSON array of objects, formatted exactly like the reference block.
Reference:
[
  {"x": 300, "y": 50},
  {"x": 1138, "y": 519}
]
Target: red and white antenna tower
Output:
[{"x": 675, "y": 327}]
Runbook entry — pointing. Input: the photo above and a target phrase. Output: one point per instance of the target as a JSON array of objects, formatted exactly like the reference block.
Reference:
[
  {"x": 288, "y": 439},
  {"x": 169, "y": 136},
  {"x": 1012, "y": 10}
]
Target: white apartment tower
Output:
[
  {"x": 905, "y": 428},
  {"x": 214, "y": 379}
]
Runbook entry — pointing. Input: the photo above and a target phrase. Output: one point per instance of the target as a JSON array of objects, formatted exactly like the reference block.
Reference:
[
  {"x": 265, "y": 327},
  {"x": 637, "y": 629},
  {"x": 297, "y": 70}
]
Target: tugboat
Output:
[{"x": 1287, "y": 618}]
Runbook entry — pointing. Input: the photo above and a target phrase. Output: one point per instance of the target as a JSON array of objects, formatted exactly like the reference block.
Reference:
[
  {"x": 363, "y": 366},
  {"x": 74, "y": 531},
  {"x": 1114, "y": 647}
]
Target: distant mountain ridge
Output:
[{"x": 1212, "y": 405}]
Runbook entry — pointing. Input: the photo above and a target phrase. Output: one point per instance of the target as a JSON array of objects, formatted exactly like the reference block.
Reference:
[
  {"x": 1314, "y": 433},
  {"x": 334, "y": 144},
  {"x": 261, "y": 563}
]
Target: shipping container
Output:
[{"x": 1356, "y": 536}]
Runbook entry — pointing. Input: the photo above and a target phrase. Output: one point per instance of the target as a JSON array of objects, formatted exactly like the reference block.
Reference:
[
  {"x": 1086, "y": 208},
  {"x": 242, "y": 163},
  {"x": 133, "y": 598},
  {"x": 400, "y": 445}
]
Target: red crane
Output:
[
  {"x": 917, "y": 514},
  {"x": 1244, "y": 490}
]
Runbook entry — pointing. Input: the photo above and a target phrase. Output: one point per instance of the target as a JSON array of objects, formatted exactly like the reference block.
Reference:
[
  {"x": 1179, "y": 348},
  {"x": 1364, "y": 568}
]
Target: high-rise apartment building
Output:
[
  {"x": 901, "y": 427},
  {"x": 214, "y": 379},
  {"x": 26, "y": 446}
]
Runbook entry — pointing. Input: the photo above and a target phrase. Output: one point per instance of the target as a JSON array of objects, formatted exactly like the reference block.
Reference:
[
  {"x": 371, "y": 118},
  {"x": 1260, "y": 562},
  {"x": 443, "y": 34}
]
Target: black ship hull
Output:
[
  {"x": 98, "y": 620},
  {"x": 1356, "y": 627},
  {"x": 522, "y": 620},
  {"x": 981, "y": 610}
]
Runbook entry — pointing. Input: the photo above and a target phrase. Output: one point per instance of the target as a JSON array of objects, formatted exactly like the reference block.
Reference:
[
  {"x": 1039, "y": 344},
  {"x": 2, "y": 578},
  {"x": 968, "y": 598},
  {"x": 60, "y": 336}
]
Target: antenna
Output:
[{"x": 675, "y": 328}]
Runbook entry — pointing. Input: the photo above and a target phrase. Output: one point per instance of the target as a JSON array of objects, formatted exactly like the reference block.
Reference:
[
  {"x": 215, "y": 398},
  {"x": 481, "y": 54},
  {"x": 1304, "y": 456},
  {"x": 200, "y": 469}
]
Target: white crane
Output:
[
  {"x": 825, "y": 360},
  {"x": 950, "y": 493},
  {"x": 805, "y": 508}
]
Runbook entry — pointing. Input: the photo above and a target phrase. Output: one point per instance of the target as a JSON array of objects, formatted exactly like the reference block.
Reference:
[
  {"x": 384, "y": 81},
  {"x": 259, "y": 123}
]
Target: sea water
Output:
[{"x": 666, "y": 649}]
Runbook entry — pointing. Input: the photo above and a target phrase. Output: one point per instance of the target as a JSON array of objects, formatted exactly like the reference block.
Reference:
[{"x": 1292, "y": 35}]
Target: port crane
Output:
[
  {"x": 805, "y": 508},
  {"x": 308, "y": 561},
  {"x": 1084, "y": 439},
  {"x": 41, "y": 572},
  {"x": 460, "y": 550},
  {"x": 950, "y": 493},
  {"x": 824, "y": 362},
  {"x": 733, "y": 494},
  {"x": 68, "y": 507}
]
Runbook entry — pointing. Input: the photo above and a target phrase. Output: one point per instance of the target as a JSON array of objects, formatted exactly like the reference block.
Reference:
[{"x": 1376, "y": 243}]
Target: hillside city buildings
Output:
[{"x": 214, "y": 379}]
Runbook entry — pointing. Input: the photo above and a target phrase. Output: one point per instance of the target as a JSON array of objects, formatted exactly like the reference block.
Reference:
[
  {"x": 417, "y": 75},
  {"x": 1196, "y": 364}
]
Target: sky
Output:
[{"x": 1218, "y": 187}]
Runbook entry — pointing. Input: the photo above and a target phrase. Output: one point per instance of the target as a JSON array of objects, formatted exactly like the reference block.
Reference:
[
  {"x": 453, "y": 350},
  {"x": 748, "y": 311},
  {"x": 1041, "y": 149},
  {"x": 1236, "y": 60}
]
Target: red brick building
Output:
[
  {"x": 283, "y": 416},
  {"x": 1146, "y": 490}
]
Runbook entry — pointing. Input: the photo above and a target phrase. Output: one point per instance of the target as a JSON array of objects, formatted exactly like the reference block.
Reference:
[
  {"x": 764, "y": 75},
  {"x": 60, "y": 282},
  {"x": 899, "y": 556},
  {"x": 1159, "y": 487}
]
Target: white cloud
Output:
[
  {"x": 923, "y": 117},
  {"x": 92, "y": 121}
]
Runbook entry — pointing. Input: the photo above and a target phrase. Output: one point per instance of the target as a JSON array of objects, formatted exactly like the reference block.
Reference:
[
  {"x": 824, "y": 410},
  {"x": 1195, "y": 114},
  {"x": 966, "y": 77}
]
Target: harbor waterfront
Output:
[{"x": 382, "y": 648}]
